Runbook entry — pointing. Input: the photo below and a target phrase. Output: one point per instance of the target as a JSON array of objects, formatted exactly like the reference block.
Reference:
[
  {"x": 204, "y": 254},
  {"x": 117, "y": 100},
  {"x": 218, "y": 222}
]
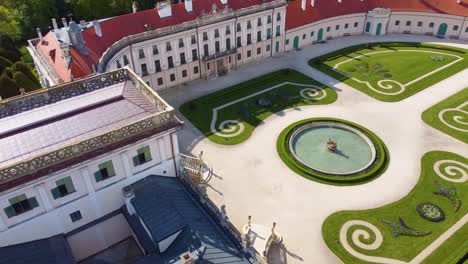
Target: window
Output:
[
  {"x": 205, "y": 50},
  {"x": 268, "y": 48},
  {"x": 249, "y": 39},
  {"x": 259, "y": 51},
  {"x": 277, "y": 46},
  {"x": 431, "y": 25},
  {"x": 356, "y": 24},
  {"x": 278, "y": 16},
  {"x": 168, "y": 46},
  {"x": 144, "y": 153},
  {"x": 269, "y": 19},
  {"x": 287, "y": 42},
  {"x": 141, "y": 54},
  {"x": 278, "y": 31},
  {"x": 259, "y": 22},
  {"x": 328, "y": 29},
  {"x": 194, "y": 54},
  {"x": 268, "y": 33},
  {"x": 249, "y": 53},
  {"x": 170, "y": 62},
  {"x": 303, "y": 36},
  {"x": 157, "y": 65},
  {"x": 181, "y": 43},
  {"x": 346, "y": 26},
  {"x": 239, "y": 43},
  {"x": 172, "y": 77},
  {"x": 337, "y": 27},
  {"x": 466, "y": 30},
  {"x": 239, "y": 56},
  {"x": 249, "y": 25},
  {"x": 144, "y": 69},
  {"x": 312, "y": 33},
  {"x": 160, "y": 81},
  {"x": 216, "y": 33},
  {"x": 238, "y": 27},
  {"x": 75, "y": 216},
  {"x": 455, "y": 28},
  {"x": 19, "y": 205},
  {"x": 64, "y": 187},
  {"x": 193, "y": 40},
  {"x": 195, "y": 70},
  {"x": 229, "y": 59},
  {"x": 368, "y": 25},
  {"x": 182, "y": 58},
  {"x": 228, "y": 44},
  {"x": 419, "y": 24},
  {"x": 259, "y": 36},
  {"x": 217, "y": 46},
  {"x": 397, "y": 22},
  {"x": 228, "y": 30},
  {"x": 205, "y": 36},
  {"x": 184, "y": 73},
  {"x": 125, "y": 60},
  {"x": 155, "y": 50},
  {"x": 118, "y": 64},
  {"x": 106, "y": 170},
  {"x": 208, "y": 65},
  {"x": 408, "y": 23}
]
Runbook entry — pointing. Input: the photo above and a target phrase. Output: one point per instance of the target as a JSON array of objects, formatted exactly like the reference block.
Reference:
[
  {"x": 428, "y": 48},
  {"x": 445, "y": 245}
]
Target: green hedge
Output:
[{"x": 378, "y": 167}]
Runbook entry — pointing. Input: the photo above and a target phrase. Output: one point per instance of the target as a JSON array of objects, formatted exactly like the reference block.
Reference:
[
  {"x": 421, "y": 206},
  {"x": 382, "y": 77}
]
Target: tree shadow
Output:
[{"x": 279, "y": 255}]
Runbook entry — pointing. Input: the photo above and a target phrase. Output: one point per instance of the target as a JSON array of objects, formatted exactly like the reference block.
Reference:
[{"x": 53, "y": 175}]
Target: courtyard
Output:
[{"x": 251, "y": 179}]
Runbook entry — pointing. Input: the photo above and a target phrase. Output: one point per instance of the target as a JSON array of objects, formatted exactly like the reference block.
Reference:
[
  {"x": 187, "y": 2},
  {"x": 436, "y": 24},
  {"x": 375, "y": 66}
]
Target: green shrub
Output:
[
  {"x": 19, "y": 66},
  {"x": 8, "y": 87},
  {"x": 24, "y": 82},
  {"x": 4, "y": 63}
]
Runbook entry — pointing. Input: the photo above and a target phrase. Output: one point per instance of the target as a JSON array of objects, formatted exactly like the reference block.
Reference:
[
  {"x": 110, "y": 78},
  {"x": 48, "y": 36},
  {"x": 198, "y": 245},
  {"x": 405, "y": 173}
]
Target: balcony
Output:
[{"x": 218, "y": 55}]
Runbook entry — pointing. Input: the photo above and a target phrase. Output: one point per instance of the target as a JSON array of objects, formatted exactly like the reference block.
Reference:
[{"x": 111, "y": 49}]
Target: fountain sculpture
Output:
[{"x": 331, "y": 145}]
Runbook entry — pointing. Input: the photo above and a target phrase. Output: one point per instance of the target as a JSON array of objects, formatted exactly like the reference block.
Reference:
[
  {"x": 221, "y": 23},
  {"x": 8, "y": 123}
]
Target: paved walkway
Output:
[{"x": 250, "y": 178}]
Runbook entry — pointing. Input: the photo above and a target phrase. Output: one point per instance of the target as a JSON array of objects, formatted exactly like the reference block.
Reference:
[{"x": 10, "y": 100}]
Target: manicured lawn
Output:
[
  {"x": 392, "y": 71},
  {"x": 240, "y": 108},
  {"x": 450, "y": 116},
  {"x": 405, "y": 248},
  {"x": 379, "y": 166}
]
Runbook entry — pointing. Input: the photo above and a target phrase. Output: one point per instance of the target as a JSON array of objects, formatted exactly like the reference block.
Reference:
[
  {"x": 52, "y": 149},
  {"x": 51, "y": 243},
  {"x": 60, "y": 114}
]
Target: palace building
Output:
[{"x": 176, "y": 43}]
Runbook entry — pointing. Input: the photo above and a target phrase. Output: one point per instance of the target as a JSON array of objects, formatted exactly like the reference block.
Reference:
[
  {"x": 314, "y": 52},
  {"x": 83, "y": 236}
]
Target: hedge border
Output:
[{"x": 377, "y": 168}]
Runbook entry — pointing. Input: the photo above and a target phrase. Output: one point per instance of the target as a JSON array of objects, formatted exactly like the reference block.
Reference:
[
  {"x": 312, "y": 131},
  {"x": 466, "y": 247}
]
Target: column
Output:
[
  {"x": 91, "y": 192},
  {"x": 126, "y": 164}
]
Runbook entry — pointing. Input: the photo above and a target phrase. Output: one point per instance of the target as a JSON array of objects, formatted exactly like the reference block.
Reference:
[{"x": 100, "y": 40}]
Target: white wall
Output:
[{"x": 93, "y": 200}]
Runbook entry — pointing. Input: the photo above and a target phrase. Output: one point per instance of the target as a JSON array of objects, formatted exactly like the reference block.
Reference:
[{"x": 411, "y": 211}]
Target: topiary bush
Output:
[{"x": 430, "y": 212}]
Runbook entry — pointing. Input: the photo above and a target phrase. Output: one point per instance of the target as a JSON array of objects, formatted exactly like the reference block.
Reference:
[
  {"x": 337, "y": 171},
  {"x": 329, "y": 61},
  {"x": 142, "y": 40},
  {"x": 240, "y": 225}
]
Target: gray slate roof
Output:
[
  {"x": 52, "y": 250},
  {"x": 201, "y": 231}
]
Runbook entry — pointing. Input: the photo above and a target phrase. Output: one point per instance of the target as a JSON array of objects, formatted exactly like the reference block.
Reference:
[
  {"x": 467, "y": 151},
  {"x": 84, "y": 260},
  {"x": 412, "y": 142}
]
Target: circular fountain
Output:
[{"x": 332, "y": 150}]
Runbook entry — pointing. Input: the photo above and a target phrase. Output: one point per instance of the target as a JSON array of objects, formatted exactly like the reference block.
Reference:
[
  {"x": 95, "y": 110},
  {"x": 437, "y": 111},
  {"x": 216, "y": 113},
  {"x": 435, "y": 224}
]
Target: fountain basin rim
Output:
[{"x": 339, "y": 125}]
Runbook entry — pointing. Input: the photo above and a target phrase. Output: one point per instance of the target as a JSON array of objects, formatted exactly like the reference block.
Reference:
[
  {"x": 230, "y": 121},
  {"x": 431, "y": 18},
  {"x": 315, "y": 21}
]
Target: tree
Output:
[
  {"x": 9, "y": 25},
  {"x": 22, "y": 81},
  {"x": 8, "y": 87}
]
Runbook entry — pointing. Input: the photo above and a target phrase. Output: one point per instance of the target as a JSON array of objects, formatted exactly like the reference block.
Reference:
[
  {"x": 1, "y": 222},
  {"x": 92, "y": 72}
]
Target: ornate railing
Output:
[
  {"x": 162, "y": 117},
  {"x": 219, "y": 55},
  {"x": 204, "y": 19}
]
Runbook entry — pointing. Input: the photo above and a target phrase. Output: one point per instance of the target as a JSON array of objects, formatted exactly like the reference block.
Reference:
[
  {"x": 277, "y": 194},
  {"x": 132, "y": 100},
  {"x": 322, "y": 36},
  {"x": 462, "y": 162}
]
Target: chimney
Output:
[
  {"x": 54, "y": 23},
  {"x": 186, "y": 258},
  {"x": 312, "y": 3},
  {"x": 188, "y": 5},
  {"x": 97, "y": 28},
  {"x": 64, "y": 21},
  {"x": 303, "y": 5},
  {"x": 164, "y": 9},
  {"x": 134, "y": 7},
  {"x": 39, "y": 34}
]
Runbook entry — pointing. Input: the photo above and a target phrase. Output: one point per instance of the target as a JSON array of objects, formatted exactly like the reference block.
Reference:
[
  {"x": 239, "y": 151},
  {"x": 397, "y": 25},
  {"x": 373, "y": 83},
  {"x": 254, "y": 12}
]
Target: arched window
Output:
[
  {"x": 368, "y": 26},
  {"x": 431, "y": 25}
]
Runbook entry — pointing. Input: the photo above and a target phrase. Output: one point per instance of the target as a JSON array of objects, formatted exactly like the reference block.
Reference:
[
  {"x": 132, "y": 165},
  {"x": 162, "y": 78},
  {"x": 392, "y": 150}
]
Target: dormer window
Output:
[
  {"x": 106, "y": 171},
  {"x": 141, "y": 54},
  {"x": 143, "y": 156},
  {"x": 20, "y": 205},
  {"x": 168, "y": 46},
  {"x": 155, "y": 50},
  {"x": 64, "y": 187}
]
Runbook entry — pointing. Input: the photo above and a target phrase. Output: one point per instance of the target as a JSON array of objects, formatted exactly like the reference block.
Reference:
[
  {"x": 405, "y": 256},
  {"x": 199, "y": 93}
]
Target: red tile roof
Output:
[
  {"x": 119, "y": 27},
  {"x": 323, "y": 9}
]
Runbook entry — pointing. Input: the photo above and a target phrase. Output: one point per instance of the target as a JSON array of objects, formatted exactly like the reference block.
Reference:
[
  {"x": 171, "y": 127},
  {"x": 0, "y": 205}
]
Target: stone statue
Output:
[{"x": 331, "y": 145}]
